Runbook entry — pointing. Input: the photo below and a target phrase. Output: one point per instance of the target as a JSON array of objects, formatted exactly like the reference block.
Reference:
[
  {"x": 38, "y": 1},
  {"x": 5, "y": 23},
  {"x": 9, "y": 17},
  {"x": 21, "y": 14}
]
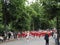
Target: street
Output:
[{"x": 31, "y": 41}]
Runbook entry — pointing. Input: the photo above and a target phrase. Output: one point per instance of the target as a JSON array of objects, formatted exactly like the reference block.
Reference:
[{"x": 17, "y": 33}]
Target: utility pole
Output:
[
  {"x": 57, "y": 25},
  {"x": 57, "y": 31}
]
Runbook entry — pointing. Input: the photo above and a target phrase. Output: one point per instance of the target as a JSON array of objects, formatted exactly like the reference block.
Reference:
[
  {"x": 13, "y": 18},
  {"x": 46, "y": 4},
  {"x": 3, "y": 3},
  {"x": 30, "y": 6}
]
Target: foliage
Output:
[{"x": 38, "y": 15}]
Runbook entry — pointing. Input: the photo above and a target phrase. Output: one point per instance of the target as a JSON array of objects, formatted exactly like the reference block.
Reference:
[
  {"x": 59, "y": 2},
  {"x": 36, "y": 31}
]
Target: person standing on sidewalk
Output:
[
  {"x": 52, "y": 33},
  {"x": 18, "y": 35},
  {"x": 55, "y": 37},
  {"x": 46, "y": 38},
  {"x": 9, "y": 35}
]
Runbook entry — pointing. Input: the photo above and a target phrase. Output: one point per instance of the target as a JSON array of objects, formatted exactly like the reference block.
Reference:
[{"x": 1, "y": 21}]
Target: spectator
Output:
[
  {"x": 15, "y": 35},
  {"x": 18, "y": 35},
  {"x": 46, "y": 39},
  {"x": 52, "y": 33},
  {"x": 9, "y": 35},
  {"x": 12, "y": 35},
  {"x": 55, "y": 37},
  {"x": 1, "y": 38}
]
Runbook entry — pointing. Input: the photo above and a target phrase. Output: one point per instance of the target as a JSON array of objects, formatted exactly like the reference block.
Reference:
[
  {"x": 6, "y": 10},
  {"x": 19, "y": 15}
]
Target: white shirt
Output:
[{"x": 55, "y": 35}]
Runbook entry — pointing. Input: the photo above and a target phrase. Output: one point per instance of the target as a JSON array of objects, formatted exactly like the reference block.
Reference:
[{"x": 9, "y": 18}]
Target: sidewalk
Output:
[
  {"x": 8, "y": 40},
  {"x": 33, "y": 41},
  {"x": 40, "y": 41},
  {"x": 51, "y": 41}
]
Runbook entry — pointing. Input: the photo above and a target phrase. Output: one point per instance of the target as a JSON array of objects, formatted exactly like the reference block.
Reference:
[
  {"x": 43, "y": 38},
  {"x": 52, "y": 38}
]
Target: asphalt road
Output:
[{"x": 31, "y": 41}]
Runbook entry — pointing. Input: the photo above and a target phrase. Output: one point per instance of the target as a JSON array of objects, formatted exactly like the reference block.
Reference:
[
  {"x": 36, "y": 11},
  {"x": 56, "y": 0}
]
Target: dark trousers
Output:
[{"x": 47, "y": 42}]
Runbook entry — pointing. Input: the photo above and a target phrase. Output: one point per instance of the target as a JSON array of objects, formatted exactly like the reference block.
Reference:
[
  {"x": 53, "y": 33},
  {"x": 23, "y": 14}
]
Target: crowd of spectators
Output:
[{"x": 10, "y": 35}]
